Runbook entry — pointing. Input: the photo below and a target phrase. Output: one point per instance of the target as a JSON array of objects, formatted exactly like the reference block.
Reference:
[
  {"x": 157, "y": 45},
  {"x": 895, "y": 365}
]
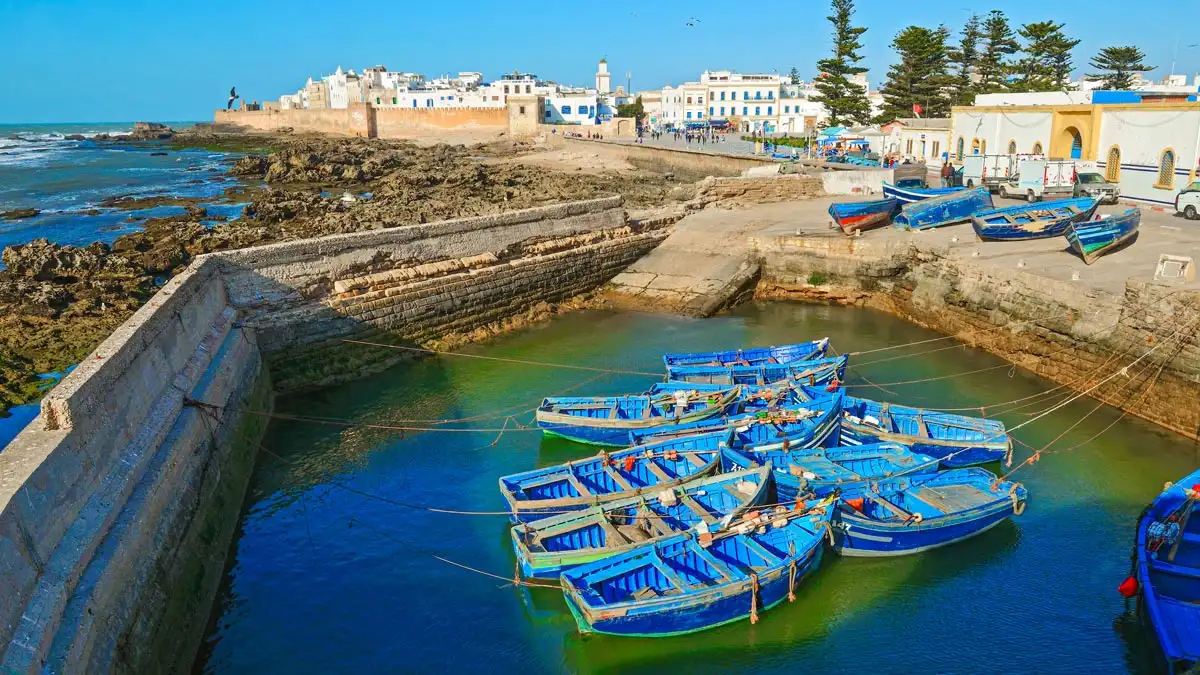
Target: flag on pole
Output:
[{"x": 917, "y": 109}]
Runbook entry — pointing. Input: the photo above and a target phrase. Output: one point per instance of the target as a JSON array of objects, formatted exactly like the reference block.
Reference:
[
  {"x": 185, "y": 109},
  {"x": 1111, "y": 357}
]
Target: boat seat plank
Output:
[
  {"x": 724, "y": 570},
  {"x": 695, "y": 459},
  {"x": 951, "y": 498},
  {"x": 578, "y": 485},
  {"x": 761, "y": 550},
  {"x": 656, "y": 523},
  {"x": 887, "y": 503},
  {"x": 921, "y": 426},
  {"x": 658, "y": 471},
  {"x": 612, "y": 537},
  {"x": 699, "y": 510},
  {"x": 617, "y": 478},
  {"x": 670, "y": 573}
]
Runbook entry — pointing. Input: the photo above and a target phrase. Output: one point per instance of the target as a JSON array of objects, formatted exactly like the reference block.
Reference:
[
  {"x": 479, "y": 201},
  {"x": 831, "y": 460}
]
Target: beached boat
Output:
[
  {"x": 947, "y": 209},
  {"x": 813, "y": 424},
  {"x": 1032, "y": 221},
  {"x": 823, "y": 470},
  {"x": 955, "y": 440},
  {"x": 755, "y": 356},
  {"x": 912, "y": 195},
  {"x": 548, "y": 547},
  {"x": 696, "y": 581},
  {"x": 855, "y": 216},
  {"x": 1168, "y": 571},
  {"x": 816, "y": 371},
  {"x": 1100, "y": 237},
  {"x": 607, "y": 420},
  {"x": 910, "y": 514},
  {"x": 609, "y": 477}
]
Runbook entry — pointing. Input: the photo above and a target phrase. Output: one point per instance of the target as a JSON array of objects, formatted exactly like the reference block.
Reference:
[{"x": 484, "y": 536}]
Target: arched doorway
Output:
[{"x": 1071, "y": 138}]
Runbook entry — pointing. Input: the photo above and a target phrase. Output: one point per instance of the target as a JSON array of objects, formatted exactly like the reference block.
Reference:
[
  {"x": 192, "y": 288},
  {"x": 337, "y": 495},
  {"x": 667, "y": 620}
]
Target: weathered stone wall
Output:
[
  {"x": 108, "y": 498},
  {"x": 421, "y": 283},
  {"x": 119, "y": 501},
  {"x": 1053, "y": 328},
  {"x": 397, "y": 122},
  {"x": 737, "y": 191},
  {"x": 691, "y": 163},
  {"x": 362, "y": 119}
]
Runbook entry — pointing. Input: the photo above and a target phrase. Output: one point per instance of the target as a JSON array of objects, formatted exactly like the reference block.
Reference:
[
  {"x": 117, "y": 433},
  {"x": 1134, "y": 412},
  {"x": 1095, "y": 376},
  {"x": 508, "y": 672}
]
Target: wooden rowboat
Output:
[
  {"x": 548, "y": 547},
  {"x": 823, "y": 470},
  {"x": 1100, "y": 237},
  {"x": 854, "y": 217},
  {"x": 1032, "y": 221},
  {"x": 607, "y": 420},
  {"x": 696, "y": 581},
  {"x": 913, "y": 195},
  {"x": 946, "y": 209},
  {"x": 755, "y": 356},
  {"x": 816, "y": 371}
]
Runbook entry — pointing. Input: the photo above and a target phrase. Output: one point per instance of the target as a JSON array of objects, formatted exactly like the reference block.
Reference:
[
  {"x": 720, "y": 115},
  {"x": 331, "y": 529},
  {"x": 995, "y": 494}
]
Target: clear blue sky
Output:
[{"x": 122, "y": 61}]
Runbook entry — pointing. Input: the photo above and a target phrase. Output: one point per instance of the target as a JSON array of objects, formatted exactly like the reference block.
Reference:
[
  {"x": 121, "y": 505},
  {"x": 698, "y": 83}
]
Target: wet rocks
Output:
[
  {"x": 150, "y": 131},
  {"x": 74, "y": 137},
  {"x": 18, "y": 214},
  {"x": 42, "y": 261}
]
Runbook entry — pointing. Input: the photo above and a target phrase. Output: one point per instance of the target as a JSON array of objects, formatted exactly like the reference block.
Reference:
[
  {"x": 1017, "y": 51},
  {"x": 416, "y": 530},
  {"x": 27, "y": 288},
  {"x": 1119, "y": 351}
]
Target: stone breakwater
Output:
[
  {"x": 118, "y": 502},
  {"x": 1071, "y": 334}
]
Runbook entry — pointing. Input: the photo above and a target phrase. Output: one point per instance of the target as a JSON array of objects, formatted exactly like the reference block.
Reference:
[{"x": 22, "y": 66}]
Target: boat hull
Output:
[
  {"x": 1002, "y": 224},
  {"x": 1094, "y": 239},
  {"x": 615, "y": 432},
  {"x": 946, "y": 209},
  {"x": 910, "y": 196},
  {"x": 953, "y": 455},
  {"x": 853, "y": 217},
  {"x": 755, "y": 356},
  {"x": 815, "y": 372},
  {"x": 789, "y": 486},
  {"x": 861, "y": 537}
]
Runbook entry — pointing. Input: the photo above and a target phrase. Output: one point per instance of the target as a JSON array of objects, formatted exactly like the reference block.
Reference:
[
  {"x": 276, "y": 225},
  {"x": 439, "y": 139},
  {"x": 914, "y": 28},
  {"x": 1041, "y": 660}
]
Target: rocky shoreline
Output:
[{"x": 58, "y": 302}]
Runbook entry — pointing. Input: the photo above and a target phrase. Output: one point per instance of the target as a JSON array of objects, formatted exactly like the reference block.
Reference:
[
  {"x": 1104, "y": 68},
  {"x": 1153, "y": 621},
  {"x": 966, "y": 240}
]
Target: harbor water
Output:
[{"x": 332, "y": 569}]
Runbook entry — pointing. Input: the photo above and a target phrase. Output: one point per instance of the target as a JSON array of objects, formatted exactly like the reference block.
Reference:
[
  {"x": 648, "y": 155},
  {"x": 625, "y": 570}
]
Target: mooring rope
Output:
[{"x": 500, "y": 359}]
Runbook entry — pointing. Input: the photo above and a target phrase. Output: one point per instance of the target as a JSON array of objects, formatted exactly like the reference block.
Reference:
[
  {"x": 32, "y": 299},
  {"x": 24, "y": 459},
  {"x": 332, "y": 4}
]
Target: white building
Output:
[
  {"x": 799, "y": 113},
  {"x": 603, "y": 79},
  {"x": 574, "y": 108},
  {"x": 1149, "y": 143},
  {"x": 918, "y": 139},
  {"x": 343, "y": 88}
]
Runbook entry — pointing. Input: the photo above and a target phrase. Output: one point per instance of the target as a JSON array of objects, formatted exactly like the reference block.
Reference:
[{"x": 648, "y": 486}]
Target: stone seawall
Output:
[
  {"x": 1066, "y": 333},
  {"x": 119, "y": 501},
  {"x": 737, "y": 191},
  {"x": 693, "y": 163}
]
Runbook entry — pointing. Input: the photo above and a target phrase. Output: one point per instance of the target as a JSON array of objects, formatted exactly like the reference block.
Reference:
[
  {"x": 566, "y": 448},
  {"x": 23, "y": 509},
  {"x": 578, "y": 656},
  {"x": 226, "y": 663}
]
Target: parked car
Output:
[
  {"x": 1188, "y": 201},
  {"x": 1088, "y": 184}
]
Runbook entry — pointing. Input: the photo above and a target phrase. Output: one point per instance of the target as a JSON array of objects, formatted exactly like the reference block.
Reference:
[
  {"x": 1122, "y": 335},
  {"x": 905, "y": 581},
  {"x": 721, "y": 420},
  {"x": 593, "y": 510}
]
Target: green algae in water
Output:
[{"x": 324, "y": 580}]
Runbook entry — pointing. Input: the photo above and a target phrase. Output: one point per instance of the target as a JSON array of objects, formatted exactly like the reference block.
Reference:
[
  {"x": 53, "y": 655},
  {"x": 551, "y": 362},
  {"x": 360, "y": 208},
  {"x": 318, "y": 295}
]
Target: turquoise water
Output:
[
  {"x": 40, "y": 169},
  {"x": 323, "y": 579}
]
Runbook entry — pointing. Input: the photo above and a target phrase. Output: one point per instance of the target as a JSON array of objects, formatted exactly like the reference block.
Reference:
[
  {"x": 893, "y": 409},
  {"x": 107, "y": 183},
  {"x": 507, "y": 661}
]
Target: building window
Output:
[
  {"x": 974, "y": 146},
  {"x": 521, "y": 110},
  {"x": 787, "y": 109},
  {"x": 506, "y": 88},
  {"x": 376, "y": 100},
  {"x": 908, "y": 147},
  {"x": 699, "y": 115},
  {"x": 689, "y": 100},
  {"x": 689, "y": 116},
  {"x": 1012, "y": 147},
  {"x": 770, "y": 96},
  {"x": 414, "y": 102},
  {"x": 769, "y": 109},
  {"x": 983, "y": 147},
  {"x": 1166, "y": 170},
  {"x": 1112, "y": 171},
  {"x": 428, "y": 103},
  {"x": 591, "y": 111},
  {"x": 757, "y": 110},
  {"x": 547, "y": 113},
  {"x": 450, "y": 97},
  {"x": 1037, "y": 148},
  {"x": 936, "y": 149},
  {"x": 758, "y": 96},
  {"x": 566, "y": 110},
  {"x": 745, "y": 111},
  {"x": 722, "y": 96},
  {"x": 745, "y": 96},
  {"x": 710, "y": 109},
  {"x": 528, "y": 89},
  {"x": 959, "y": 152}
]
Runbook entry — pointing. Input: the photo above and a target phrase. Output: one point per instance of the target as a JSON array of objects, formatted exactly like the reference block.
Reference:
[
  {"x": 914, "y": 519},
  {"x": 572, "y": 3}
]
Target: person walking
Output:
[{"x": 947, "y": 173}]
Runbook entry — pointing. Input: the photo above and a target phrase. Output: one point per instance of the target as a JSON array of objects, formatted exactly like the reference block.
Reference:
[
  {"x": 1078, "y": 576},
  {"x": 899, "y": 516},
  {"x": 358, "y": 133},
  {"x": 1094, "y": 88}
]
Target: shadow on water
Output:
[{"x": 323, "y": 579}]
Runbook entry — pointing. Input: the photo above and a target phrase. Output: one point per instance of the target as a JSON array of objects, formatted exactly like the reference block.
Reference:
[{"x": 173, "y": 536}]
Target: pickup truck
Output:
[{"x": 1091, "y": 184}]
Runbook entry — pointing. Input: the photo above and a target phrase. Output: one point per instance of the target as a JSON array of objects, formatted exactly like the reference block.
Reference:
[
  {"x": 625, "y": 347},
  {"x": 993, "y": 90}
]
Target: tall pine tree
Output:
[
  {"x": 999, "y": 43},
  {"x": 1046, "y": 64},
  {"x": 920, "y": 78},
  {"x": 845, "y": 100},
  {"x": 1119, "y": 64},
  {"x": 962, "y": 63},
  {"x": 794, "y": 76}
]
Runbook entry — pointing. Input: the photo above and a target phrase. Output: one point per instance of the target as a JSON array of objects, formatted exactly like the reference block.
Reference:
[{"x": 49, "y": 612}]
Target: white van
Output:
[
  {"x": 1038, "y": 179},
  {"x": 1188, "y": 201},
  {"x": 988, "y": 170}
]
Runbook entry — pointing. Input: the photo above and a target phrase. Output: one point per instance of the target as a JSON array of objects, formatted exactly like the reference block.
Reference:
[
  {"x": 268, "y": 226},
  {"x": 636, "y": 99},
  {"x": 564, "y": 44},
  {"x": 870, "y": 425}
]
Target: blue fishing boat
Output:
[
  {"x": 608, "y": 477},
  {"x": 607, "y": 420},
  {"x": 548, "y": 547},
  {"x": 1168, "y": 571},
  {"x": 947, "y": 209},
  {"x": 756, "y": 356},
  {"x": 696, "y": 581},
  {"x": 1100, "y": 237},
  {"x": 956, "y": 440},
  {"x": 823, "y": 470},
  {"x": 816, "y": 371},
  {"x": 910, "y": 514},
  {"x": 1032, "y": 221},
  {"x": 813, "y": 424},
  {"x": 911, "y": 195},
  {"x": 852, "y": 217}
]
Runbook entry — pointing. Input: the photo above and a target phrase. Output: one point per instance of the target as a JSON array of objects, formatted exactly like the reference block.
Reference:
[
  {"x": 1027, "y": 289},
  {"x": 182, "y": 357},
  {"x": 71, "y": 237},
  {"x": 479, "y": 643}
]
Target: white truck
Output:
[
  {"x": 988, "y": 170},
  {"x": 1188, "y": 201},
  {"x": 1038, "y": 179}
]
